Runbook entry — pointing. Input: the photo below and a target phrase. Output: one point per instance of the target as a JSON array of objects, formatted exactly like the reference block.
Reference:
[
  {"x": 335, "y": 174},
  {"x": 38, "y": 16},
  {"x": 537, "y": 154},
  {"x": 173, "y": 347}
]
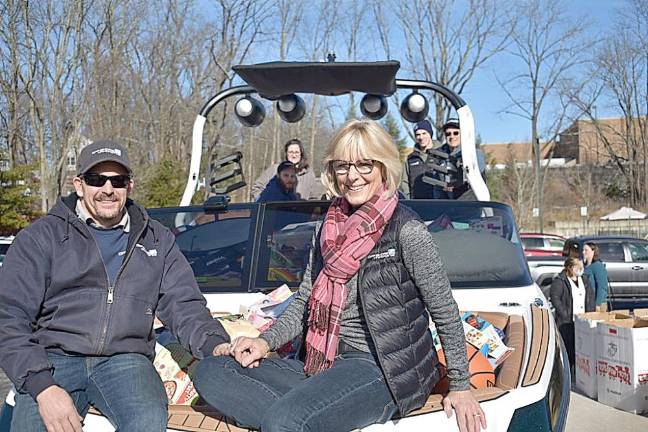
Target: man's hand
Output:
[
  {"x": 222, "y": 349},
  {"x": 248, "y": 351},
  {"x": 469, "y": 414},
  {"x": 58, "y": 411}
]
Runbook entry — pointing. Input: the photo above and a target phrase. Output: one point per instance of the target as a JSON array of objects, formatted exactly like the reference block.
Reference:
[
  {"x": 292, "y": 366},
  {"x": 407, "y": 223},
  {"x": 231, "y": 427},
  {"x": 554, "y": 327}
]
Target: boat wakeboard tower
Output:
[{"x": 281, "y": 82}]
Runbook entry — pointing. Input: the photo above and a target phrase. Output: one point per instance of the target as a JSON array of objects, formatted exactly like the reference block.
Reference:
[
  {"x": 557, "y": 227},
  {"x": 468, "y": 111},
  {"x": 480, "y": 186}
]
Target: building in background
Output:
[
  {"x": 76, "y": 144},
  {"x": 498, "y": 155},
  {"x": 584, "y": 142},
  {"x": 591, "y": 143}
]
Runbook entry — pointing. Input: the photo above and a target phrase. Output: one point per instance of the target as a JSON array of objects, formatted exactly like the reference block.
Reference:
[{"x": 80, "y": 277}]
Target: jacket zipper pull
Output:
[{"x": 111, "y": 290}]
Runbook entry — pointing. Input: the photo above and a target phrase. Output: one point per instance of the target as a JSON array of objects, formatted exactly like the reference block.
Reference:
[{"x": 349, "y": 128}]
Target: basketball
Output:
[{"x": 482, "y": 374}]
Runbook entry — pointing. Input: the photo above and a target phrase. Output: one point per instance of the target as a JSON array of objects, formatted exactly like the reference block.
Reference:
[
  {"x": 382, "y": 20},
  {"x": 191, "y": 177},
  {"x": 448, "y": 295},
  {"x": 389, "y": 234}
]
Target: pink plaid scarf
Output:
[{"x": 346, "y": 239}]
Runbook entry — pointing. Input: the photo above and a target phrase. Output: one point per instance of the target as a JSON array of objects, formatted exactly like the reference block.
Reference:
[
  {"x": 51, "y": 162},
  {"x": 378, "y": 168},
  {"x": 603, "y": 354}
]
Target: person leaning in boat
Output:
[
  {"x": 415, "y": 167},
  {"x": 282, "y": 186},
  {"x": 456, "y": 186},
  {"x": 79, "y": 290},
  {"x": 306, "y": 187},
  {"x": 362, "y": 309}
]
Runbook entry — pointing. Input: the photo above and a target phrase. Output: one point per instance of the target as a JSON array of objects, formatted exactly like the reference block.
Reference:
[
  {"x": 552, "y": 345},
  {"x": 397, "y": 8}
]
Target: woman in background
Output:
[
  {"x": 597, "y": 274},
  {"x": 306, "y": 185},
  {"x": 570, "y": 294}
]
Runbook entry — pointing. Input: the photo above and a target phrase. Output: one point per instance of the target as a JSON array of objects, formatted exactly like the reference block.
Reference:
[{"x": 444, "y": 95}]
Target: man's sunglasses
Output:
[
  {"x": 453, "y": 133},
  {"x": 98, "y": 180}
]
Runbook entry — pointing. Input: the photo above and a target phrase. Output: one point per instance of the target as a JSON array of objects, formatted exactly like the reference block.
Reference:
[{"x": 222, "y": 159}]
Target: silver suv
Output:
[{"x": 626, "y": 261}]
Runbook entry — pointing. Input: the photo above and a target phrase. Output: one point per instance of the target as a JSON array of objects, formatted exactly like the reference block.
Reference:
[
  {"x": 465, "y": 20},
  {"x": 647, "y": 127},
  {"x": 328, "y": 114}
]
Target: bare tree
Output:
[
  {"x": 290, "y": 15},
  {"x": 12, "y": 96},
  {"x": 238, "y": 27},
  {"x": 547, "y": 45},
  {"x": 618, "y": 82},
  {"x": 316, "y": 42},
  {"x": 516, "y": 188},
  {"x": 447, "y": 44},
  {"x": 49, "y": 72}
]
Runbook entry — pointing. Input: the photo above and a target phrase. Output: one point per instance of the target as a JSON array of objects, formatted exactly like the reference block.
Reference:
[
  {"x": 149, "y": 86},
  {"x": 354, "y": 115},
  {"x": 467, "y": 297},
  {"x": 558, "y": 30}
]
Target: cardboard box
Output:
[
  {"x": 638, "y": 313},
  {"x": 174, "y": 364},
  {"x": 585, "y": 341},
  {"x": 622, "y": 364},
  {"x": 237, "y": 326}
]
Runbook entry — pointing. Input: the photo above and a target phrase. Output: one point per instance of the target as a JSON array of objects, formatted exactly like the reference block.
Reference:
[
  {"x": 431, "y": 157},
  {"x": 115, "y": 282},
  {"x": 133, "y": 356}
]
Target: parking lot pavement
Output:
[{"x": 587, "y": 415}]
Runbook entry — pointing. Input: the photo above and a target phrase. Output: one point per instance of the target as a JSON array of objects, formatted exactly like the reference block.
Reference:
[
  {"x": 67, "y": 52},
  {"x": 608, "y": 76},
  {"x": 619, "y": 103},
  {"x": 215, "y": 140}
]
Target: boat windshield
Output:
[{"x": 252, "y": 247}]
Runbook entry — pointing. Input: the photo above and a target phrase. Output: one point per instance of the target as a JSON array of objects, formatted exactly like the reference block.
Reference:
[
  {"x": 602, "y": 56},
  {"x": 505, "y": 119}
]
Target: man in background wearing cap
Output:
[
  {"x": 412, "y": 184},
  {"x": 456, "y": 185},
  {"x": 282, "y": 186},
  {"x": 79, "y": 290}
]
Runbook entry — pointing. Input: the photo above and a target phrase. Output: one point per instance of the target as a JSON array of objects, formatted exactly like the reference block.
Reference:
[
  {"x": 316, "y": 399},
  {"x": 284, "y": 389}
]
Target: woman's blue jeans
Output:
[
  {"x": 278, "y": 396},
  {"x": 124, "y": 387}
]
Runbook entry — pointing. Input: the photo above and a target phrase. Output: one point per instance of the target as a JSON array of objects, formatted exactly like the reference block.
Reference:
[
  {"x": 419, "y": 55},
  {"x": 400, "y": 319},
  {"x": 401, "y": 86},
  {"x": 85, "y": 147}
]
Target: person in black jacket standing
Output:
[
  {"x": 456, "y": 185},
  {"x": 79, "y": 290},
  {"x": 374, "y": 279},
  {"x": 570, "y": 295},
  {"x": 415, "y": 167}
]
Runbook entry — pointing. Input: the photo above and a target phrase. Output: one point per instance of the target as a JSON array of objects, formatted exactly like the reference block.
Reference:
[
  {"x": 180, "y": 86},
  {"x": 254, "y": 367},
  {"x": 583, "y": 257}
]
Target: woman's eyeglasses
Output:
[
  {"x": 453, "y": 133},
  {"x": 98, "y": 180},
  {"x": 363, "y": 166}
]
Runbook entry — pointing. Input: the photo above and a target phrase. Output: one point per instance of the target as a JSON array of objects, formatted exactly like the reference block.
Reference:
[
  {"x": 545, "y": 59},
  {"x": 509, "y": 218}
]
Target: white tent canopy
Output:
[{"x": 624, "y": 213}]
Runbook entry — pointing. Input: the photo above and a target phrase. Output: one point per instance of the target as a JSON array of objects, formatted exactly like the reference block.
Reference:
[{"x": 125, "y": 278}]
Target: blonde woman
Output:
[{"x": 374, "y": 279}]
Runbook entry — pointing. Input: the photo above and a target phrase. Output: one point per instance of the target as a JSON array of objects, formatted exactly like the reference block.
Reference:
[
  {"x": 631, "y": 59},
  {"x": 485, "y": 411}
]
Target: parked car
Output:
[
  {"x": 5, "y": 242},
  {"x": 538, "y": 244},
  {"x": 625, "y": 258}
]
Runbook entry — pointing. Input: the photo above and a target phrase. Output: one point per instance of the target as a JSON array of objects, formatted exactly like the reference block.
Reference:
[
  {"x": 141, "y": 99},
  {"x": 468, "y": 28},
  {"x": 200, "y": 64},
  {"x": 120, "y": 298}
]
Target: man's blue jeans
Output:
[
  {"x": 125, "y": 388},
  {"x": 278, "y": 396}
]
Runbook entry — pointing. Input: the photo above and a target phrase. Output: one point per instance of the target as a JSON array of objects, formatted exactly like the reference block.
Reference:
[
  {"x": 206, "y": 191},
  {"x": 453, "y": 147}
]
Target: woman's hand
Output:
[
  {"x": 470, "y": 417},
  {"x": 248, "y": 351},
  {"x": 221, "y": 350}
]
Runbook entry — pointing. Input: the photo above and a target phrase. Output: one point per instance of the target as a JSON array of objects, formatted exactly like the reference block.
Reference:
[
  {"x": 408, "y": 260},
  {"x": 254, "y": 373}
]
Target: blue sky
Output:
[
  {"x": 484, "y": 95},
  {"x": 486, "y": 98}
]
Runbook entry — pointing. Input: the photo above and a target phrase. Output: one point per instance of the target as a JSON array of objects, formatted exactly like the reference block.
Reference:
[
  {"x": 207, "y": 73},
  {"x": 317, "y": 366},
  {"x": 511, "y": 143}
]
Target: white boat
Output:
[{"x": 238, "y": 251}]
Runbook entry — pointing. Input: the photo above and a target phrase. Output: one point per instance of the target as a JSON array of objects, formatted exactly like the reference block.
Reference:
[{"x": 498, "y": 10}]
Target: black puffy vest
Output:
[
  {"x": 417, "y": 168},
  {"x": 396, "y": 317}
]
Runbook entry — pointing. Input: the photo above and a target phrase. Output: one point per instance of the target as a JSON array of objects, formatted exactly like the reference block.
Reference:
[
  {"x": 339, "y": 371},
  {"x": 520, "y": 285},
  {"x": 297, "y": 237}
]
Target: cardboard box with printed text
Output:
[
  {"x": 622, "y": 364},
  {"x": 585, "y": 341}
]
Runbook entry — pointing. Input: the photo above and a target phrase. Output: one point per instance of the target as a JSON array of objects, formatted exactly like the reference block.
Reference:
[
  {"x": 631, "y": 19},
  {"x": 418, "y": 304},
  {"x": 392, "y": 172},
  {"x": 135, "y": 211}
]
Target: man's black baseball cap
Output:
[{"x": 102, "y": 151}]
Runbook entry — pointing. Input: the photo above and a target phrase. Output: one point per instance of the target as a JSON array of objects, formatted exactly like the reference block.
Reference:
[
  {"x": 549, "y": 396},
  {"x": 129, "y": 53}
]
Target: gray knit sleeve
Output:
[
  {"x": 421, "y": 257},
  {"x": 291, "y": 322}
]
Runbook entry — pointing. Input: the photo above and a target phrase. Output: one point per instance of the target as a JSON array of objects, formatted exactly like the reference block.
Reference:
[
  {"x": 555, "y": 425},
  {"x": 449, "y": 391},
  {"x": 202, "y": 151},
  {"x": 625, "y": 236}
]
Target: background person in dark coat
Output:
[
  {"x": 452, "y": 146},
  {"x": 412, "y": 185},
  {"x": 596, "y": 274},
  {"x": 570, "y": 294},
  {"x": 281, "y": 186}
]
